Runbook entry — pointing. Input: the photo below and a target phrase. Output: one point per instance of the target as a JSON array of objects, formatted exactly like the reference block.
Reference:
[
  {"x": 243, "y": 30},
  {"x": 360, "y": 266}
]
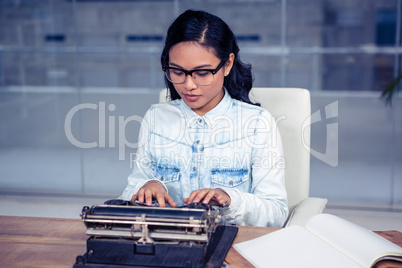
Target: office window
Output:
[
  {"x": 386, "y": 27},
  {"x": 57, "y": 54}
]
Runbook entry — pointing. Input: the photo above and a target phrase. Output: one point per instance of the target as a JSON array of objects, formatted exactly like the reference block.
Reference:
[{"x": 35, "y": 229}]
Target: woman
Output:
[{"x": 209, "y": 144}]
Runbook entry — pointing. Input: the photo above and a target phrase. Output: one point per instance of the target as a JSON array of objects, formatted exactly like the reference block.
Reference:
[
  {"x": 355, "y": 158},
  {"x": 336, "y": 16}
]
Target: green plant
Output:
[{"x": 389, "y": 92}]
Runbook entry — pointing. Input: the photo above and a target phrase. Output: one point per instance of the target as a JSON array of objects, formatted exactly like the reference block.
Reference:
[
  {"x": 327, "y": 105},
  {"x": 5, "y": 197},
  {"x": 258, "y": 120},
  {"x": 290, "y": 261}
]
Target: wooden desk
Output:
[{"x": 49, "y": 242}]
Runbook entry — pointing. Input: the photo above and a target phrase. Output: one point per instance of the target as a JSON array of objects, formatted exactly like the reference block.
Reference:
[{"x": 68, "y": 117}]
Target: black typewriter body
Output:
[{"x": 126, "y": 234}]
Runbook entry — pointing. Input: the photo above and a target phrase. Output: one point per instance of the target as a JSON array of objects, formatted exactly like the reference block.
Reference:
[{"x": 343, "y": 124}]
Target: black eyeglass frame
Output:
[{"x": 213, "y": 71}]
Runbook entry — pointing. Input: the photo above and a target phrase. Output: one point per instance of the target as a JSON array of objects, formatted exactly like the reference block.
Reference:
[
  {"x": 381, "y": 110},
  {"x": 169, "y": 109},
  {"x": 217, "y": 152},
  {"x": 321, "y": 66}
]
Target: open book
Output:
[{"x": 325, "y": 241}]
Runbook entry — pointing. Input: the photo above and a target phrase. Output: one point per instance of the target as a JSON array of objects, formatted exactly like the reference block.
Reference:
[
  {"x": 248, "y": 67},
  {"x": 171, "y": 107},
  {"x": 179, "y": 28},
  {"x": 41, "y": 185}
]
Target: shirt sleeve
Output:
[
  {"x": 142, "y": 166},
  {"x": 266, "y": 203}
]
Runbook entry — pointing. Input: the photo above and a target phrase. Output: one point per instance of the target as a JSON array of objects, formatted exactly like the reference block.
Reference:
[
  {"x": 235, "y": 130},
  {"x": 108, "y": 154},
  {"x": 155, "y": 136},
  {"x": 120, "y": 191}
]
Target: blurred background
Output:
[{"x": 76, "y": 76}]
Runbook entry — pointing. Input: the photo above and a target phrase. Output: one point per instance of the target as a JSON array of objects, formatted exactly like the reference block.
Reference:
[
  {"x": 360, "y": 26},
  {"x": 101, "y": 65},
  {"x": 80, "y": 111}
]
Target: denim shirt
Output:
[{"x": 235, "y": 147}]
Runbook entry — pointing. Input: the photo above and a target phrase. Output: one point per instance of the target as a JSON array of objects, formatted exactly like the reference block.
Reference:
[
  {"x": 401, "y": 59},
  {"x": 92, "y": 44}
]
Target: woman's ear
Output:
[{"x": 229, "y": 64}]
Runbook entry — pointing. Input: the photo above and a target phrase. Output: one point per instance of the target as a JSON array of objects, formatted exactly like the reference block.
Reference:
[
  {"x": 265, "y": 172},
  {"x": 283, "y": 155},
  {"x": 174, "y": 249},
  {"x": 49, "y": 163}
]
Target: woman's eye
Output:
[
  {"x": 202, "y": 73},
  {"x": 177, "y": 72}
]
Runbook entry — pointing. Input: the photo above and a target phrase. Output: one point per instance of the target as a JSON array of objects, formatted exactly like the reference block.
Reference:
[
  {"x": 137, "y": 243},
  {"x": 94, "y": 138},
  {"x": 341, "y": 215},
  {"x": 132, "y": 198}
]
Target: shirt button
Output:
[
  {"x": 231, "y": 183},
  {"x": 198, "y": 141},
  {"x": 200, "y": 120},
  {"x": 194, "y": 168},
  {"x": 161, "y": 178}
]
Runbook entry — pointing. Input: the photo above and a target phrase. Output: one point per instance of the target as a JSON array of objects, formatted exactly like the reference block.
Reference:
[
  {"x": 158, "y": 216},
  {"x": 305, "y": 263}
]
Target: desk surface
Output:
[{"x": 49, "y": 242}]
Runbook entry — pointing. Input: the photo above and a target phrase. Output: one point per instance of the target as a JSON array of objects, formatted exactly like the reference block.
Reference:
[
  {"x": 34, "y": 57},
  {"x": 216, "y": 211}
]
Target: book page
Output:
[
  {"x": 292, "y": 247},
  {"x": 358, "y": 243}
]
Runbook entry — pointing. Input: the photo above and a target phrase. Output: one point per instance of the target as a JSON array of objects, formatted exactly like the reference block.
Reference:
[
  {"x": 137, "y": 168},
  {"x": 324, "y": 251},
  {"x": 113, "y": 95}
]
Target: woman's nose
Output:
[{"x": 189, "y": 83}]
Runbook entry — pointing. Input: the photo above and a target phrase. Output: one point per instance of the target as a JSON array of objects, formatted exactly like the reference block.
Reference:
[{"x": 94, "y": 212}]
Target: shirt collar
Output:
[{"x": 212, "y": 117}]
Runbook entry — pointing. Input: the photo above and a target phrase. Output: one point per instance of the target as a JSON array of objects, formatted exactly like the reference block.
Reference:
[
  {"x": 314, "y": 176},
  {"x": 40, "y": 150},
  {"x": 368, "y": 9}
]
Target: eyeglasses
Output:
[{"x": 202, "y": 77}]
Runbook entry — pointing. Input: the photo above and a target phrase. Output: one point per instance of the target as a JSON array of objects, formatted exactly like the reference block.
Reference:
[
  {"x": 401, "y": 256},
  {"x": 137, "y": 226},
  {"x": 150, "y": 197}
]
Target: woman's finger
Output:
[{"x": 210, "y": 194}]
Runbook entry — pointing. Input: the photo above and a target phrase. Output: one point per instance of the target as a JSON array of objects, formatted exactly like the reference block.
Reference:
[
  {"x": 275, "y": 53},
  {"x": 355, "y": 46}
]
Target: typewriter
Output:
[{"x": 129, "y": 234}]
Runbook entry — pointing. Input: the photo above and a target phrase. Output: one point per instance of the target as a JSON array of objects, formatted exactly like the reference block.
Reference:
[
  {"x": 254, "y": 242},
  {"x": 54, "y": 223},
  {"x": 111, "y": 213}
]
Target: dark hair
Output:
[{"x": 210, "y": 32}]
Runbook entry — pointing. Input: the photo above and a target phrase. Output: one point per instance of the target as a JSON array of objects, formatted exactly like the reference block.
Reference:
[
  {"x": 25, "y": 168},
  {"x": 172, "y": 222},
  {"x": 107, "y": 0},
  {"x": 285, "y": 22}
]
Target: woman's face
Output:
[{"x": 192, "y": 56}]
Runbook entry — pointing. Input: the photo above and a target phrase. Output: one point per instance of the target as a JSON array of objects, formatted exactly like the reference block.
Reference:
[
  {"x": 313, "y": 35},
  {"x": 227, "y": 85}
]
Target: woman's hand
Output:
[
  {"x": 153, "y": 190},
  {"x": 213, "y": 197}
]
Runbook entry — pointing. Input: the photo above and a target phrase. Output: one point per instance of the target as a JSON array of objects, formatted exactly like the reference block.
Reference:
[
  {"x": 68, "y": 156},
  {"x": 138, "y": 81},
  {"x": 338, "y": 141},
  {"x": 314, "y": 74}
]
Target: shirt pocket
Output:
[
  {"x": 167, "y": 174},
  {"x": 230, "y": 178}
]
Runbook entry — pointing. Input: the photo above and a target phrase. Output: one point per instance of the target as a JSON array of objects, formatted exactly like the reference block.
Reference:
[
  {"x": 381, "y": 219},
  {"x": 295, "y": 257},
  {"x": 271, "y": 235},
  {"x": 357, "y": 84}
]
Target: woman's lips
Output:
[{"x": 191, "y": 98}]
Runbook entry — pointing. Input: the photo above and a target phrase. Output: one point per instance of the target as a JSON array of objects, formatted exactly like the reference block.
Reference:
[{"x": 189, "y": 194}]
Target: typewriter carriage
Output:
[{"x": 124, "y": 234}]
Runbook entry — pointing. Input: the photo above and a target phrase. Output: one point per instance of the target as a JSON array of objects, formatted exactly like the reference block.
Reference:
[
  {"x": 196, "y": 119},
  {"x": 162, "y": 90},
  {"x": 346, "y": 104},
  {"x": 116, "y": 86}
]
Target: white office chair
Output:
[{"x": 292, "y": 109}]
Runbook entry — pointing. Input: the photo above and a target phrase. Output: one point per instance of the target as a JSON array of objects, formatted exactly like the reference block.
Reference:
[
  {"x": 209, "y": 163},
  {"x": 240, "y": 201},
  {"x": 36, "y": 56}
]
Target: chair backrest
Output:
[
  {"x": 164, "y": 95},
  {"x": 291, "y": 108}
]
